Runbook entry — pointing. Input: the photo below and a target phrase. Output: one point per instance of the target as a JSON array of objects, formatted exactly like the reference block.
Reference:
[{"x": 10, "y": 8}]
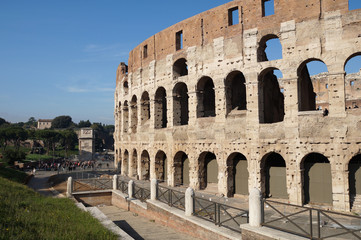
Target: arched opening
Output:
[
  {"x": 145, "y": 108},
  {"x": 181, "y": 169},
  {"x": 145, "y": 165},
  {"x": 125, "y": 117},
  {"x": 317, "y": 179},
  {"x": 312, "y": 85},
  {"x": 271, "y": 99},
  {"x": 354, "y": 181},
  {"x": 208, "y": 171},
  {"x": 134, "y": 114},
  {"x": 160, "y": 108},
  {"x": 125, "y": 87},
  {"x": 235, "y": 92},
  {"x": 237, "y": 169},
  {"x": 180, "y": 68},
  {"x": 274, "y": 176},
  {"x": 270, "y": 48},
  {"x": 353, "y": 81},
  {"x": 125, "y": 163},
  {"x": 119, "y": 165},
  {"x": 206, "y": 98},
  {"x": 180, "y": 104},
  {"x": 161, "y": 170},
  {"x": 134, "y": 164}
]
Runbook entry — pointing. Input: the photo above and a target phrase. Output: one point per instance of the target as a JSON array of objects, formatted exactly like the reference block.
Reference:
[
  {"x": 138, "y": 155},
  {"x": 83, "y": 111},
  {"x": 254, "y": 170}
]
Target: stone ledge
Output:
[{"x": 249, "y": 232}]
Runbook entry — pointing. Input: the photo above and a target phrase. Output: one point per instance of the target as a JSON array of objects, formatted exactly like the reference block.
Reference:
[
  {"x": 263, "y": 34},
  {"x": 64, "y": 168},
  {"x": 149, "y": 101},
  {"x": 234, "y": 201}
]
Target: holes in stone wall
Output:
[
  {"x": 125, "y": 163},
  {"x": 354, "y": 179},
  {"x": 206, "y": 98},
  {"x": 134, "y": 164},
  {"x": 125, "y": 87},
  {"x": 312, "y": 85},
  {"x": 353, "y": 81},
  {"x": 271, "y": 100},
  {"x": 145, "y": 108},
  {"x": 235, "y": 92},
  {"x": 270, "y": 48},
  {"x": 161, "y": 166},
  {"x": 208, "y": 170},
  {"x": 233, "y": 16},
  {"x": 180, "y": 68},
  {"x": 268, "y": 8},
  {"x": 160, "y": 108},
  {"x": 145, "y": 51},
  {"x": 181, "y": 169},
  {"x": 237, "y": 180},
  {"x": 179, "y": 40},
  {"x": 145, "y": 165},
  {"x": 180, "y": 104}
]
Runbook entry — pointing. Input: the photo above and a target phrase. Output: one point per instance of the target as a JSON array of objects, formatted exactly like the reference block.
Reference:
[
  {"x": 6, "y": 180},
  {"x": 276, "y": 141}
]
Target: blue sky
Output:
[{"x": 60, "y": 57}]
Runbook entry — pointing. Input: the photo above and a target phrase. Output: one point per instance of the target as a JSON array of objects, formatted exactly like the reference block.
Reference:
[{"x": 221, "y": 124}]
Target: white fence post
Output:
[
  {"x": 255, "y": 208},
  {"x": 115, "y": 182},
  {"x": 69, "y": 189},
  {"x": 189, "y": 208},
  {"x": 153, "y": 189},
  {"x": 131, "y": 188}
]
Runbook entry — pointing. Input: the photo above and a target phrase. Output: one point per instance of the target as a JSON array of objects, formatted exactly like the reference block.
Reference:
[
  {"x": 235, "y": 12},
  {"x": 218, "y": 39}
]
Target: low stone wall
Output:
[{"x": 94, "y": 198}]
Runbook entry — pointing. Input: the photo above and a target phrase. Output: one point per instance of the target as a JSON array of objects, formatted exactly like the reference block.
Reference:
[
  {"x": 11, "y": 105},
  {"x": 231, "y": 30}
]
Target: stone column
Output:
[
  {"x": 192, "y": 107},
  {"x": 189, "y": 208},
  {"x": 153, "y": 189},
  {"x": 130, "y": 188},
  {"x": 115, "y": 182},
  {"x": 69, "y": 191},
  {"x": 255, "y": 208}
]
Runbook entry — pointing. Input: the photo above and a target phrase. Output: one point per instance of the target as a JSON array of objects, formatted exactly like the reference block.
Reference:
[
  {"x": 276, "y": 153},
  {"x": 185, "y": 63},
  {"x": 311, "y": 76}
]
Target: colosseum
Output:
[{"x": 201, "y": 104}]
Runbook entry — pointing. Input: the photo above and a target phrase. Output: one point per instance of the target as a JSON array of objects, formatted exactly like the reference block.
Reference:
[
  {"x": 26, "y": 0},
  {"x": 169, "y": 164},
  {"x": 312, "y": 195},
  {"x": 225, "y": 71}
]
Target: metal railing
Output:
[
  {"x": 309, "y": 222},
  {"x": 171, "y": 197},
  {"x": 92, "y": 184},
  {"x": 220, "y": 214},
  {"x": 140, "y": 193},
  {"x": 123, "y": 186}
]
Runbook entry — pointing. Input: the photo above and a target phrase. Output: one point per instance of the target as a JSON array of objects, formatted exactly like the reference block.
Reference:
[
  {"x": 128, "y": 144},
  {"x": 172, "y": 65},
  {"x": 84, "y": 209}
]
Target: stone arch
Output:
[
  {"x": 125, "y": 87},
  {"x": 125, "y": 163},
  {"x": 308, "y": 84},
  {"x": 161, "y": 170},
  {"x": 180, "y": 68},
  {"x": 317, "y": 179},
  {"x": 208, "y": 170},
  {"x": 180, "y": 104},
  {"x": 236, "y": 98},
  {"x": 354, "y": 181},
  {"x": 352, "y": 68},
  {"x": 271, "y": 99},
  {"x": 273, "y": 174},
  {"x": 181, "y": 169},
  {"x": 134, "y": 114},
  {"x": 272, "y": 52},
  {"x": 134, "y": 164},
  {"x": 119, "y": 161},
  {"x": 125, "y": 117},
  {"x": 145, "y": 165},
  {"x": 145, "y": 108},
  {"x": 237, "y": 175},
  {"x": 160, "y": 108},
  {"x": 206, "y": 98}
]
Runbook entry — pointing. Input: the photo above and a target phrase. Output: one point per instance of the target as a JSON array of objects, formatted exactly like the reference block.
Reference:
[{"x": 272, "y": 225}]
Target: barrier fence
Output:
[
  {"x": 309, "y": 222},
  {"x": 220, "y": 214},
  {"x": 141, "y": 193},
  {"x": 171, "y": 197},
  {"x": 92, "y": 184}
]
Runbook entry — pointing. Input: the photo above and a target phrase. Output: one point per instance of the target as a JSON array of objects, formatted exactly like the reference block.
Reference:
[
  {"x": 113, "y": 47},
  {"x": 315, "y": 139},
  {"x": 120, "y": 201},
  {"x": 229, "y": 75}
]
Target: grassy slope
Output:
[{"x": 25, "y": 214}]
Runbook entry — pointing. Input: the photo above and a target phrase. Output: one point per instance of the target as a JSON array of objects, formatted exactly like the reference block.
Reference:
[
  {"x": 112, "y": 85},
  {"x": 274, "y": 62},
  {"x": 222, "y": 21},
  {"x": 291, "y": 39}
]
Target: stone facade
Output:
[
  {"x": 44, "y": 123},
  {"x": 199, "y": 104},
  {"x": 86, "y": 144}
]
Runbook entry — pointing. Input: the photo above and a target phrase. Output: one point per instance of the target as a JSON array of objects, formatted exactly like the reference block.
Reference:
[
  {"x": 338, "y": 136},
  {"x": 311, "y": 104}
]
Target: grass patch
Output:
[
  {"x": 25, "y": 214},
  {"x": 13, "y": 175}
]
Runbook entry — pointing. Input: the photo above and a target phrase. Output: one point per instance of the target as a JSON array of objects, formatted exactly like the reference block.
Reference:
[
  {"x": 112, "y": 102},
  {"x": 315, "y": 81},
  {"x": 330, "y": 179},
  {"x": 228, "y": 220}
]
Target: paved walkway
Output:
[
  {"x": 40, "y": 182},
  {"x": 139, "y": 227}
]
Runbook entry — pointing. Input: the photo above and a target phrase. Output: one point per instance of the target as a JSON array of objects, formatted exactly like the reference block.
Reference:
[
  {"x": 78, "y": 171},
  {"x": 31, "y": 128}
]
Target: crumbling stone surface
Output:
[{"x": 177, "y": 96}]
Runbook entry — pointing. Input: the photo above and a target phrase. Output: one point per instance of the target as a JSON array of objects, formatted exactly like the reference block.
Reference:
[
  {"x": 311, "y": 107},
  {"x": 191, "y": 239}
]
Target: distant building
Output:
[
  {"x": 44, "y": 123},
  {"x": 86, "y": 144}
]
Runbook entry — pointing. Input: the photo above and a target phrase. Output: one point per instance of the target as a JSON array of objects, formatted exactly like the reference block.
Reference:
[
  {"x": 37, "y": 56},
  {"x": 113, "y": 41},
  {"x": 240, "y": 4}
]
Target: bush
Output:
[{"x": 12, "y": 155}]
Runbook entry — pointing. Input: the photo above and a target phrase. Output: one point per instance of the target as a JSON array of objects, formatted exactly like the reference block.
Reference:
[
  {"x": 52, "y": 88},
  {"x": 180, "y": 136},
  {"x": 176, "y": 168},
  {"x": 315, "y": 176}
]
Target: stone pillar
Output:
[
  {"x": 255, "y": 208},
  {"x": 130, "y": 188},
  {"x": 115, "y": 182},
  {"x": 192, "y": 107},
  {"x": 153, "y": 189},
  {"x": 189, "y": 208},
  {"x": 69, "y": 191}
]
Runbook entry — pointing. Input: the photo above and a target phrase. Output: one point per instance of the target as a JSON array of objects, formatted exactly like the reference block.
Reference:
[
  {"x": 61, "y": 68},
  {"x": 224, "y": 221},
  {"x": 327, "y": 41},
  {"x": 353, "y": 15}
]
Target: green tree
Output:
[
  {"x": 62, "y": 122},
  {"x": 12, "y": 134},
  {"x": 84, "y": 124},
  {"x": 3, "y": 122},
  {"x": 12, "y": 155},
  {"x": 50, "y": 138},
  {"x": 68, "y": 139}
]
